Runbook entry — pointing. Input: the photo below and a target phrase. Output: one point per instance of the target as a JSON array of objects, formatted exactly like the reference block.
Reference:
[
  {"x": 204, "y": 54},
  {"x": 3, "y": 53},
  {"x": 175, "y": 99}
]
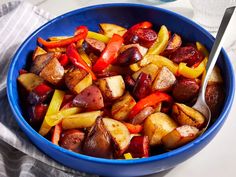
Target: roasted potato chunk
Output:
[
  {"x": 109, "y": 29},
  {"x": 119, "y": 133},
  {"x": 186, "y": 115},
  {"x": 156, "y": 126},
  {"x": 148, "y": 69},
  {"x": 29, "y": 81},
  {"x": 77, "y": 80},
  {"x": 121, "y": 108},
  {"x": 53, "y": 72},
  {"x": 38, "y": 51},
  {"x": 215, "y": 76},
  {"x": 112, "y": 87},
  {"x": 164, "y": 80},
  {"x": 179, "y": 136}
]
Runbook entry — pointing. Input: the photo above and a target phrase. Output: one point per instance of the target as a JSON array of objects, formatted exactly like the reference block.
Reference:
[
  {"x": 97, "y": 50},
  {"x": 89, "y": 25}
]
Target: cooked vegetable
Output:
[
  {"x": 89, "y": 99},
  {"x": 156, "y": 126},
  {"x": 81, "y": 34},
  {"x": 98, "y": 141},
  {"x": 161, "y": 42},
  {"x": 118, "y": 91},
  {"x": 38, "y": 51},
  {"x": 174, "y": 43},
  {"x": 164, "y": 80},
  {"x": 109, "y": 29},
  {"x": 53, "y": 72},
  {"x": 81, "y": 120},
  {"x": 179, "y": 136},
  {"x": 151, "y": 100},
  {"x": 139, "y": 147},
  {"x": 77, "y": 61},
  {"x": 72, "y": 140},
  {"x": 121, "y": 108},
  {"x": 149, "y": 69},
  {"x": 109, "y": 53},
  {"x": 186, "y": 115},
  {"x": 119, "y": 133},
  {"x": 112, "y": 87}
]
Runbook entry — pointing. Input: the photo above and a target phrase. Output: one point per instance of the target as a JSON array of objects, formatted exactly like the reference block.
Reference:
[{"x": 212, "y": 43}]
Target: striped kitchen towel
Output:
[{"x": 18, "y": 156}]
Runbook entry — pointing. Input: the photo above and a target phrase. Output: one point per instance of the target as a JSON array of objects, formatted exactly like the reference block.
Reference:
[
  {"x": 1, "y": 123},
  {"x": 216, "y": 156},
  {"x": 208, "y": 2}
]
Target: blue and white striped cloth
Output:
[{"x": 18, "y": 157}]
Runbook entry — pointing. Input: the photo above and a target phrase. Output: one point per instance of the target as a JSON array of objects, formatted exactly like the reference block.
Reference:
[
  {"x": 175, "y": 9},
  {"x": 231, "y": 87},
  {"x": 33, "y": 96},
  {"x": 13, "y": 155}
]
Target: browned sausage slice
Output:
[
  {"x": 129, "y": 56},
  {"x": 91, "y": 45},
  {"x": 187, "y": 54},
  {"x": 215, "y": 98},
  {"x": 142, "y": 115},
  {"x": 72, "y": 139},
  {"x": 185, "y": 89}
]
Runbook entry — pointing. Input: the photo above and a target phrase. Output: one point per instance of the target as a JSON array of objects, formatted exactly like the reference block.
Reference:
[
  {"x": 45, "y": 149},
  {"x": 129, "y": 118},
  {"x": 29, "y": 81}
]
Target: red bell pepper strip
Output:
[
  {"x": 23, "y": 71},
  {"x": 64, "y": 60},
  {"x": 81, "y": 33},
  {"x": 144, "y": 24},
  {"x": 56, "y": 133},
  {"x": 133, "y": 129},
  {"x": 109, "y": 54},
  {"x": 77, "y": 61},
  {"x": 151, "y": 100}
]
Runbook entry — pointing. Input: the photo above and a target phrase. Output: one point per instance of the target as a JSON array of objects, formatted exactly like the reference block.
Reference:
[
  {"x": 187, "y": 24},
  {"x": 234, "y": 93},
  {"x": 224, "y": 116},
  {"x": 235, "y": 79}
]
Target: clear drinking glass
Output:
[{"x": 209, "y": 13}]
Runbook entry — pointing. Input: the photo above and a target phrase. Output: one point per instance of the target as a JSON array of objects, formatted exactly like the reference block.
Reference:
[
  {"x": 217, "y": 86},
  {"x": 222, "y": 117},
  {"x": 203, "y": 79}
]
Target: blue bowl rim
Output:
[{"x": 27, "y": 128}]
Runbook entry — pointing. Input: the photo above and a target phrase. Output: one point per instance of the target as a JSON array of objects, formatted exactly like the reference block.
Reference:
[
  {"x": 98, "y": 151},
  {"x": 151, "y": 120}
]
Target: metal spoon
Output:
[{"x": 201, "y": 105}]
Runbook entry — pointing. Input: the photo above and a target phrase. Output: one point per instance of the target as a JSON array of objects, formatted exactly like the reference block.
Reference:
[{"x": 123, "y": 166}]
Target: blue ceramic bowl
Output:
[{"x": 124, "y": 15}]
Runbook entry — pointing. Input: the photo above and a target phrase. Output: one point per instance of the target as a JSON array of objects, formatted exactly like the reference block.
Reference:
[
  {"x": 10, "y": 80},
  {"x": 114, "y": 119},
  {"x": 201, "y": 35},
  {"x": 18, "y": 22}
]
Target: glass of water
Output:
[{"x": 209, "y": 13}]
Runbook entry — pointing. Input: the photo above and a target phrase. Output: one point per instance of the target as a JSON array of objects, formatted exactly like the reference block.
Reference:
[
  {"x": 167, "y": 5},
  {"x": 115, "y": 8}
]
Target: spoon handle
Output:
[{"x": 220, "y": 37}]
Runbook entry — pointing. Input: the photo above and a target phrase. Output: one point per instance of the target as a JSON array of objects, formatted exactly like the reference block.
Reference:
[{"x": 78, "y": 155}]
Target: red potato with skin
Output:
[
  {"x": 142, "y": 115},
  {"x": 98, "y": 141},
  {"x": 72, "y": 140},
  {"x": 89, "y": 99},
  {"x": 139, "y": 147}
]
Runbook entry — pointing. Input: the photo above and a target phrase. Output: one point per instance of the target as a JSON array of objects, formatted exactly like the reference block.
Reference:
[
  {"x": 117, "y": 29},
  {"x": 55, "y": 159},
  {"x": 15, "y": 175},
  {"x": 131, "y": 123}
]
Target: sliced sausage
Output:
[
  {"x": 129, "y": 81},
  {"x": 185, "y": 89},
  {"x": 139, "y": 147},
  {"x": 40, "y": 62},
  {"x": 188, "y": 55},
  {"x": 142, "y": 86},
  {"x": 129, "y": 56},
  {"x": 142, "y": 115},
  {"x": 144, "y": 36},
  {"x": 90, "y": 99},
  {"x": 215, "y": 98},
  {"x": 91, "y": 45},
  {"x": 72, "y": 139}
]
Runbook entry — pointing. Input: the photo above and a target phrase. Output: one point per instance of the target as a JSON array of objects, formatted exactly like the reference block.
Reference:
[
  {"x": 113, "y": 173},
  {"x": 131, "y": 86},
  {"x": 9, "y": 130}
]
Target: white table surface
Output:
[{"x": 218, "y": 158}]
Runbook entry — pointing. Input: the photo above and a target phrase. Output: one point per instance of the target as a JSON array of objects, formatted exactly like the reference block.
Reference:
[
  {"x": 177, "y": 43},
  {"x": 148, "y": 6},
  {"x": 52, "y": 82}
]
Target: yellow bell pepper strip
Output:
[
  {"x": 81, "y": 33},
  {"x": 161, "y": 61},
  {"x": 202, "y": 49},
  {"x": 192, "y": 73},
  {"x": 161, "y": 43},
  {"x": 77, "y": 61},
  {"x": 85, "y": 57},
  {"x": 54, "y": 119},
  {"x": 53, "y": 108},
  {"x": 109, "y": 54},
  {"x": 134, "y": 67},
  {"x": 58, "y": 38},
  {"x": 98, "y": 36},
  {"x": 128, "y": 156}
]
